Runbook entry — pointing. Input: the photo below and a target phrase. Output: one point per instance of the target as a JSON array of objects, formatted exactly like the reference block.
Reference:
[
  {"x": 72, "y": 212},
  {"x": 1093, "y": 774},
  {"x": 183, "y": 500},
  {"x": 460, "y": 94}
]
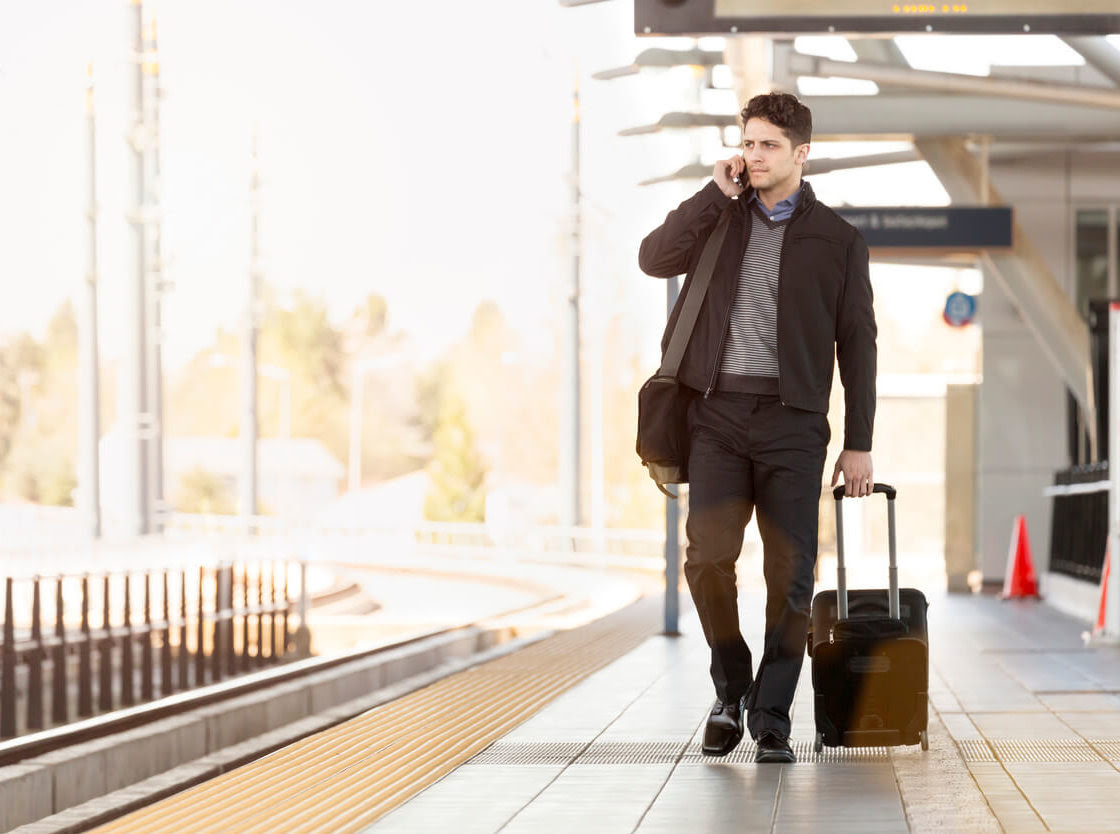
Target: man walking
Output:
[{"x": 790, "y": 286}]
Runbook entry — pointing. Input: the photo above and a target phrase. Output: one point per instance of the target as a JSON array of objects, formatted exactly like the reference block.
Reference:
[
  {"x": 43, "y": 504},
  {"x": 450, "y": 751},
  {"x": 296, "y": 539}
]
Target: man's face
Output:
[{"x": 771, "y": 157}]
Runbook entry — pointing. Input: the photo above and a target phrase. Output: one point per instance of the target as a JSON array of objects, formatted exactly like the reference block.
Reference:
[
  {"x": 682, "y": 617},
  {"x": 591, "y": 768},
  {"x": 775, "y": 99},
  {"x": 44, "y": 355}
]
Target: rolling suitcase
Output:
[{"x": 870, "y": 656}]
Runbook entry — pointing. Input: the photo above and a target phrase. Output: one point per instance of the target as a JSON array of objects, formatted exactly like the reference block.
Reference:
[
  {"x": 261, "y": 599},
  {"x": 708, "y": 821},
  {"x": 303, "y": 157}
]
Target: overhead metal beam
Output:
[
  {"x": 924, "y": 114},
  {"x": 951, "y": 82},
  {"x": 698, "y": 170},
  {"x": 826, "y": 165},
  {"x": 1026, "y": 150},
  {"x": 663, "y": 59},
  {"x": 879, "y": 50},
  {"x": 1098, "y": 53},
  {"x": 1046, "y": 309},
  {"x": 677, "y": 120},
  {"x": 816, "y": 166}
]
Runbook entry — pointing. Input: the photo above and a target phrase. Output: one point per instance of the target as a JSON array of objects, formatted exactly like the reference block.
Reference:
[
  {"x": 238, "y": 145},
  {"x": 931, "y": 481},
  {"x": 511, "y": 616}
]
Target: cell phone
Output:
[{"x": 737, "y": 179}]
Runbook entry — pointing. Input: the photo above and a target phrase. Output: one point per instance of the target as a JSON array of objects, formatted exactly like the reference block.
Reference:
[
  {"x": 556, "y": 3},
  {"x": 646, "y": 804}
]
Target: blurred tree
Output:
[
  {"x": 458, "y": 474},
  {"x": 38, "y": 417},
  {"x": 430, "y": 385},
  {"x": 9, "y": 404},
  {"x": 371, "y": 317},
  {"x": 510, "y": 398},
  {"x": 634, "y": 501},
  {"x": 298, "y": 336}
]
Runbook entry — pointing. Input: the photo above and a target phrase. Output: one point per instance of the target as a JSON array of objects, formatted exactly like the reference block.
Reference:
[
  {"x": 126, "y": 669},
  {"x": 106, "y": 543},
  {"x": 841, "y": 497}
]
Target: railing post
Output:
[
  {"x": 59, "y": 707},
  {"x": 35, "y": 661},
  {"x": 105, "y": 656},
  {"x": 85, "y": 657},
  {"x": 227, "y": 623},
  {"x": 302, "y": 638},
  {"x": 8, "y": 668},
  {"x": 260, "y": 613},
  {"x": 200, "y": 649},
  {"x": 287, "y": 606},
  {"x": 147, "y": 690},
  {"x": 183, "y": 656},
  {"x": 245, "y": 616},
  {"x": 165, "y": 687},
  {"x": 272, "y": 612},
  {"x": 216, "y": 669},
  {"x": 127, "y": 697}
]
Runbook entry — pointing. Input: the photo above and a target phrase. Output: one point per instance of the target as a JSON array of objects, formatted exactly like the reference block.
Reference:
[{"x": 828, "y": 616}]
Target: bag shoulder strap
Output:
[{"x": 698, "y": 288}]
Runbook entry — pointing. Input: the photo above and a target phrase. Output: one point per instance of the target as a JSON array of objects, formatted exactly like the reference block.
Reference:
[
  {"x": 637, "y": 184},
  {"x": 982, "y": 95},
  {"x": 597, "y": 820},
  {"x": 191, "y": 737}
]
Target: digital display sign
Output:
[{"x": 722, "y": 17}]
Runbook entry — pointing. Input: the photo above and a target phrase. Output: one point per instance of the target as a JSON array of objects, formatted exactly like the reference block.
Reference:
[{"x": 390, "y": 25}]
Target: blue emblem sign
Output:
[{"x": 960, "y": 309}]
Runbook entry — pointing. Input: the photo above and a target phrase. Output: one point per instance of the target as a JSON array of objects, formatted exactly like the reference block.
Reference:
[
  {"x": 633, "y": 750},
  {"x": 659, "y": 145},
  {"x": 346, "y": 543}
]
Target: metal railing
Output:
[
  {"x": 212, "y": 624},
  {"x": 608, "y": 545},
  {"x": 144, "y": 627},
  {"x": 1079, "y": 521}
]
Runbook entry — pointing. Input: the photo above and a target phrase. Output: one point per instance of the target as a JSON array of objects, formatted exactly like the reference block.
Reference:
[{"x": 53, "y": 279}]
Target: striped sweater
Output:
[{"x": 750, "y": 351}]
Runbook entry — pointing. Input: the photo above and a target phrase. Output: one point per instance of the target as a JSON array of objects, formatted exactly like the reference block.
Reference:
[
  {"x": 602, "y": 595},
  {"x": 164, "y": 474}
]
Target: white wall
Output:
[{"x": 1022, "y": 415}]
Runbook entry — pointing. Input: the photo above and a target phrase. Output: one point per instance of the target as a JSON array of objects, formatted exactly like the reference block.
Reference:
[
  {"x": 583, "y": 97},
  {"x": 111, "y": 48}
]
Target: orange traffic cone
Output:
[
  {"x": 1099, "y": 627},
  {"x": 1020, "y": 580}
]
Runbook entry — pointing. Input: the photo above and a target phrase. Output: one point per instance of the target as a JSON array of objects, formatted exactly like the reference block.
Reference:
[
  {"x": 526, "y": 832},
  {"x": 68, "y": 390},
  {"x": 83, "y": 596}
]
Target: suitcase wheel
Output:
[
  {"x": 818, "y": 743},
  {"x": 925, "y": 739}
]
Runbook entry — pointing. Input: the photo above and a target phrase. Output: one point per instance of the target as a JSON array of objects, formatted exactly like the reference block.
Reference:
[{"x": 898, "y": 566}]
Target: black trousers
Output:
[{"x": 751, "y": 454}]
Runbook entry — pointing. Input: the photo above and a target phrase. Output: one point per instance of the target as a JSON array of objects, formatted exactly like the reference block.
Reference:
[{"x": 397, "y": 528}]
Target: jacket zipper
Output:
[
  {"x": 727, "y": 320},
  {"x": 719, "y": 354},
  {"x": 778, "y": 308}
]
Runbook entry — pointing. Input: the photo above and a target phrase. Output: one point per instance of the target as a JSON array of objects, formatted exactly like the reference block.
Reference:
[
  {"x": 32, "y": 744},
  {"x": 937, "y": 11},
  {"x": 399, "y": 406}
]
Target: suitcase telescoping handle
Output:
[{"x": 841, "y": 571}]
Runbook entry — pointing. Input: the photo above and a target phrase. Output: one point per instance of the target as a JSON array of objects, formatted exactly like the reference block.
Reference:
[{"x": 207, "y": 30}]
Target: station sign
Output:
[
  {"x": 723, "y": 17},
  {"x": 952, "y": 227}
]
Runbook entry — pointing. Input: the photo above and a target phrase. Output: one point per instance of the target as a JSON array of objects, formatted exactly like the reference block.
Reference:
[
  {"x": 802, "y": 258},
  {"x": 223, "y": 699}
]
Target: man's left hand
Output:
[{"x": 856, "y": 467}]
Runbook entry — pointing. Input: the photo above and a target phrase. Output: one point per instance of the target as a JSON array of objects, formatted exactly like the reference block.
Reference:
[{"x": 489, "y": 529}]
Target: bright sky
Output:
[{"x": 421, "y": 153}]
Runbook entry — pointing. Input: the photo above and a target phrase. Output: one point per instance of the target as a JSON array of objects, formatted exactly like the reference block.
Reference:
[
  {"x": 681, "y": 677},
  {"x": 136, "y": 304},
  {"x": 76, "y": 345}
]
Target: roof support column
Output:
[{"x": 1024, "y": 275}]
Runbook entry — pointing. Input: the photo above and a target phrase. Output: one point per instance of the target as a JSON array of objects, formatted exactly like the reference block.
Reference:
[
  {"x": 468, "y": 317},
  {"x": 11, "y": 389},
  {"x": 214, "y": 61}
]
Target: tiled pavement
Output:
[{"x": 1024, "y": 736}]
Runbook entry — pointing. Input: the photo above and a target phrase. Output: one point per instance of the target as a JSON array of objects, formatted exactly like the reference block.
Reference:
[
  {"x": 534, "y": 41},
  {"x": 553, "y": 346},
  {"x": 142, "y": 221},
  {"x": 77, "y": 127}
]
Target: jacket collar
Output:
[{"x": 806, "y": 200}]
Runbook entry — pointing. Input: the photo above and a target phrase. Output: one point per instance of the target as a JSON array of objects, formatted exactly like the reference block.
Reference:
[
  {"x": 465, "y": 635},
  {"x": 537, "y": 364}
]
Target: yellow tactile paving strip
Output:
[{"x": 344, "y": 778}]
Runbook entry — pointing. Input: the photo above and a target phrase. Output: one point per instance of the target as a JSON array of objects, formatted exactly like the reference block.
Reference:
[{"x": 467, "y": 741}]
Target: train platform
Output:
[{"x": 598, "y": 730}]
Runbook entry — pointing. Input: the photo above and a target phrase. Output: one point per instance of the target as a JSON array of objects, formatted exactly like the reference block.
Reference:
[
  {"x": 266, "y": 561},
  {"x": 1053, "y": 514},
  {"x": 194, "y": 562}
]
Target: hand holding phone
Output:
[{"x": 728, "y": 174}]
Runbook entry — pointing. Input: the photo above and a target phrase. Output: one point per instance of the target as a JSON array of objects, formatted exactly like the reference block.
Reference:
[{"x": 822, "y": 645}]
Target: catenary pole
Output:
[
  {"x": 672, "y": 607},
  {"x": 249, "y": 359},
  {"x": 134, "y": 417},
  {"x": 672, "y": 507},
  {"x": 569, "y": 407},
  {"x": 154, "y": 286},
  {"x": 89, "y": 431}
]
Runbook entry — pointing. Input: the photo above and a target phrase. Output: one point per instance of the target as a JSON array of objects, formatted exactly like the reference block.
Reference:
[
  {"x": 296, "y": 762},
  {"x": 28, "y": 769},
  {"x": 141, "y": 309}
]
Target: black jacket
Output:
[{"x": 824, "y": 300}]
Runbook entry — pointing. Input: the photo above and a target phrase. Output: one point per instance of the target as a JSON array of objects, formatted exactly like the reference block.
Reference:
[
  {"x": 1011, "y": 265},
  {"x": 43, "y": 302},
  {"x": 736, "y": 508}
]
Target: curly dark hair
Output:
[{"x": 781, "y": 110}]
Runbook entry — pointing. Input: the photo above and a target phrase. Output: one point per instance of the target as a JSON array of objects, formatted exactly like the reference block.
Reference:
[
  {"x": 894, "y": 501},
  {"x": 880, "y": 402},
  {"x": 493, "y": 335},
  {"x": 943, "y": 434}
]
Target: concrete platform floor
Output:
[{"x": 1024, "y": 736}]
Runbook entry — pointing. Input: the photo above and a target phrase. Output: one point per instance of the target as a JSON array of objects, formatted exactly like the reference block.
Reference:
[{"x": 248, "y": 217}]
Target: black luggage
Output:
[{"x": 870, "y": 656}]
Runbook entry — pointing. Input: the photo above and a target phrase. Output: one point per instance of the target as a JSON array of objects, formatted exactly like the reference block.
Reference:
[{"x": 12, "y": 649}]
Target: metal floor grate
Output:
[
  {"x": 568, "y": 752},
  {"x": 633, "y": 752},
  {"x": 657, "y": 752},
  {"x": 744, "y": 754},
  {"x": 529, "y": 753},
  {"x": 976, "y": 750},
  {"x": 1047, "y": 750}
]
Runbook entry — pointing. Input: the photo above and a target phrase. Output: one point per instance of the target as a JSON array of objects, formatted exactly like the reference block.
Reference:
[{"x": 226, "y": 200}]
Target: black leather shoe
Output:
[
  {"x": 772, "y": 746},
  {"x": 724, "y": 729}
]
